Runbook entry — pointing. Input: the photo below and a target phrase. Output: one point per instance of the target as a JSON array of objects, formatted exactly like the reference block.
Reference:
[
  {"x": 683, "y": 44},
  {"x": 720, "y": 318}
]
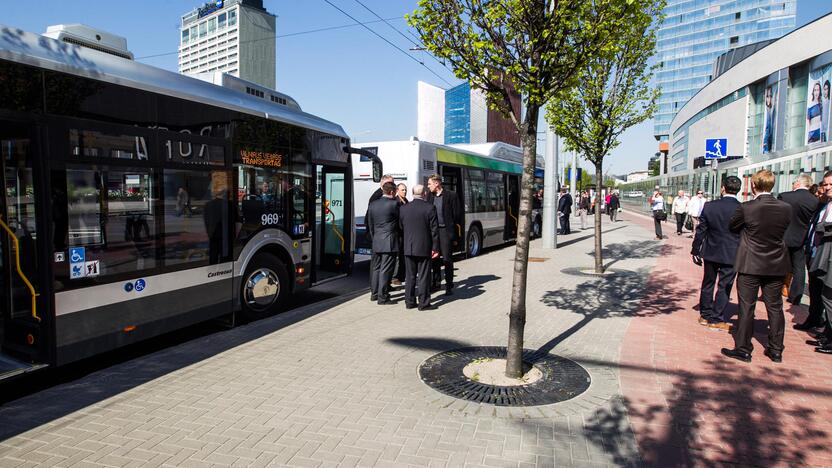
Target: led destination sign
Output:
[{"x": 261, "y": 158}]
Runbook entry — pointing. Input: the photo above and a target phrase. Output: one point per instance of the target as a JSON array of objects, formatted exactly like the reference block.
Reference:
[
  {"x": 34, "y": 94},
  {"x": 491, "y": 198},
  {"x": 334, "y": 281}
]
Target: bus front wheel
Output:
[
  {"x": 264, "y": 287},
  {"x": 474, "y": 241}
]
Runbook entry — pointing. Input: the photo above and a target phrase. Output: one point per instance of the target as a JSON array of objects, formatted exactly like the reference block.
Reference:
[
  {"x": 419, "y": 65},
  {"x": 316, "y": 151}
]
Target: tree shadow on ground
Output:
[
  {"x": 468, "y": 288},
  {"x": 640, "y": 293},
  {"x": 427, "y": 343},
  {"x": 575, "y": 240},
  {"x": 720, "y": 416},
  {"x": 633, "y": 250}
]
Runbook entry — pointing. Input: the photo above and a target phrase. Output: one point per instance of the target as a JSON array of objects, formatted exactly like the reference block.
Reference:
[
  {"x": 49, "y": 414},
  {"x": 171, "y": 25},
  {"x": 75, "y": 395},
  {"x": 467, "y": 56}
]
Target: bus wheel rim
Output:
[
  {"x": 261, "y": 289},
  {"x": 474, "y": 244}
]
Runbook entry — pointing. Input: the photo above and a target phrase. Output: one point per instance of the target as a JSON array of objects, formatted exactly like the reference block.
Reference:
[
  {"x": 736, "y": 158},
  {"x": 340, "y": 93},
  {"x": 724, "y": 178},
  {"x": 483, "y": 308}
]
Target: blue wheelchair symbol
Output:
[
  {"x": 140, "y": 285},
  {"x": 76, "y": 255}
]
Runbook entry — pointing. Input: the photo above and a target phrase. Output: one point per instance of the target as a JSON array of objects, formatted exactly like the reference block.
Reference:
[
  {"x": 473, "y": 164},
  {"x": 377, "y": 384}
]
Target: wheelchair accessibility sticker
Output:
[{"x": 77, "y": 263}]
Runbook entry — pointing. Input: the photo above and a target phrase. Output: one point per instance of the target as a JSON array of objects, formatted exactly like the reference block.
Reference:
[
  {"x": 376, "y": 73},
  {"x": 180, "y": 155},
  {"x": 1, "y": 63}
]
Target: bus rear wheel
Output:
[
  {"x": 474, "y": 242},
  {"x": 265, "y": 286}
]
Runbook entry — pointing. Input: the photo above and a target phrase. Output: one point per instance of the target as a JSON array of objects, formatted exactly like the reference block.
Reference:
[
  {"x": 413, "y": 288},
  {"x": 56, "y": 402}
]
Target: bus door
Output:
[
  {"x": 21, "y": 295},
  {"x": 452, "y": 180},
  {"x": 512, "y": 206},
  {"x": 333, "y": 225}
]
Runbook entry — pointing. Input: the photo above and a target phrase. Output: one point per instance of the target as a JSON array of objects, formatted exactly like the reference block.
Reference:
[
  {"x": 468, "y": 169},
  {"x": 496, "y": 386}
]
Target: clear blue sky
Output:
[{"x": 345, "y": 75}]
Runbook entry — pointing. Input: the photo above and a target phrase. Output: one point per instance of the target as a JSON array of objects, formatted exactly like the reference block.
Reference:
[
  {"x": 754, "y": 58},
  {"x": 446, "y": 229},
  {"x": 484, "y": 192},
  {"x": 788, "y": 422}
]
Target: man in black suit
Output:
[
  {"x": 804, "y": 206},
  {"x": 762, "y": 262},
  {"x": 383, "y": 227},
  {"x": 451, "y": 217},
  {"x": 418, "y": 221},
  {"x": 379, "y": 192},
  {"x": 564, "y": 210},
  {"x": 717, "y": 246}
]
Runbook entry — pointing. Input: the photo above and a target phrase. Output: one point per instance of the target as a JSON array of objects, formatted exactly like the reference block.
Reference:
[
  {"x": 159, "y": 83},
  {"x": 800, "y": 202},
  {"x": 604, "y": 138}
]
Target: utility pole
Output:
[
  {"x": 550, "y": 188},
  {"x": 573, "y": 176}
]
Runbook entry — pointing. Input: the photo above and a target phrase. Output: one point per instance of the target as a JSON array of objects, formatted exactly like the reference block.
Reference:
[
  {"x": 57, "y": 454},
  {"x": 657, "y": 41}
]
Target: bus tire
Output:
[
  {"x": 473, "y": 242},
  {"x": 264, "y": 287}
]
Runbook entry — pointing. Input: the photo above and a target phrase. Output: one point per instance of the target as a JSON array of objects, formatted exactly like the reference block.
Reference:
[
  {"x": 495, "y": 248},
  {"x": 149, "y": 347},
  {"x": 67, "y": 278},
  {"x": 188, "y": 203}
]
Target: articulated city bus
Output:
[
  {"x": 138, "y": 201},
  {"x": 486, "y": 176}
]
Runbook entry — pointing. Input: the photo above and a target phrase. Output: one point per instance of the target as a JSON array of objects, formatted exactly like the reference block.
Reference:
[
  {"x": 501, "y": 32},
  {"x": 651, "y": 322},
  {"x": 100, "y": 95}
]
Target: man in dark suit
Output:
[
  {"x": 379, "y": 192},
  {"x": 418, "y": 221},
  {"x": 383, "y": 227},
  {"x": 564, "y": 210},
  {"x": 762, "y": 262},
  {"x": 717, "y": 246},
  {"x": 451, "y": 217},
  {"x": 804, "y": 206}
]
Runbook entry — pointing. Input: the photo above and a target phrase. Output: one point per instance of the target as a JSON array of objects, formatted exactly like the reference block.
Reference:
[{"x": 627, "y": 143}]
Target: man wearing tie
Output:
[
  {"x": 717, "y": 246},
  {"x": 383, "y": 226},
  {"x": 762, "y": 262},
  {"x": 419, "y": 223}
]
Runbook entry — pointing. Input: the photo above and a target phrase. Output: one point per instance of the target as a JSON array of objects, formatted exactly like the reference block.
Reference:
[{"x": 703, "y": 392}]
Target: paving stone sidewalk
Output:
[{"x": 336, "y": 384}]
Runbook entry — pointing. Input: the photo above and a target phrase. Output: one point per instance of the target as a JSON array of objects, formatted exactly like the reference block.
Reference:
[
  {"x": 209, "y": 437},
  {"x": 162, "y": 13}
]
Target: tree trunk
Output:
[
  {"x": 599, "y": 255},
  {"x": 517, "y": 314}
]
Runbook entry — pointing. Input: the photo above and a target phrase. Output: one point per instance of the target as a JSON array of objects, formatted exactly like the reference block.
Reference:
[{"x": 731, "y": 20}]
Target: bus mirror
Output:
[{"x": 378, "y": 170}]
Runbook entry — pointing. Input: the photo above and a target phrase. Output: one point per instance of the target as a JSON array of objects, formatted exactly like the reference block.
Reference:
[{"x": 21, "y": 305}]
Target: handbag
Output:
[
  {"x": 661, "y": 215},
  {"x": 689, "y": 224}
]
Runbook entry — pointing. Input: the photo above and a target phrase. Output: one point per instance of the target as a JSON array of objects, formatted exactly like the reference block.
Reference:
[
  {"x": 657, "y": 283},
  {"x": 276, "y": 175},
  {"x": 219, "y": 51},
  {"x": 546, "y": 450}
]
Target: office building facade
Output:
[
  {"x": 694, "y": 34},
  {"x": 460, "y": 115},
  {"x": 232, "y": 36}
]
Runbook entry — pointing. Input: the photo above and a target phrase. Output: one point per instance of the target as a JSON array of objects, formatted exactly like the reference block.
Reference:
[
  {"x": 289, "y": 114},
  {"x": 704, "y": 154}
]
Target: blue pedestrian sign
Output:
[{"x": 716, "y": 148}]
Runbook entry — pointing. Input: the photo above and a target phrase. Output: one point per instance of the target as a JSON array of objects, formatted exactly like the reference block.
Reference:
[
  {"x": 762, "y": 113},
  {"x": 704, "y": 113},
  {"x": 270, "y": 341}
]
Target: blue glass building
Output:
[
  {"x": 458, "y": 114},
  {"x": 696, "y": 32}
]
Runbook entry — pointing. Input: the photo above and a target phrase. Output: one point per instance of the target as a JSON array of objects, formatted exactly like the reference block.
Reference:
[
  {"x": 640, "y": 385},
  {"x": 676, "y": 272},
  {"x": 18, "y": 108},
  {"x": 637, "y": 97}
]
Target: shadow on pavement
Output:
[
  {"x": 624, "y": 295},
  {"x": 633, "y": 250},
  {"x": 36, "y": 409},
  {"x": 590, "y": 236},
  {"x": 466, "y": 289},
  {"x": 718, "y": 416},
  {"x": 427, "y": 343}
]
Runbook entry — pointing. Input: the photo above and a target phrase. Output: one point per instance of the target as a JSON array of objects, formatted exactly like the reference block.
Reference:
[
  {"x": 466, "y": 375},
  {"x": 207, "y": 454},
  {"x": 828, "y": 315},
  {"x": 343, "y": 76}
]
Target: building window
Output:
[
  {"x": 212, "y": 25},
  {"x": 734, "y": 40},
  {"x": 232, "y": 17},
  {"x": 193, "y": 33},
  {"x": 221, "y": 19},
  {"x": 184, "y": 37}
]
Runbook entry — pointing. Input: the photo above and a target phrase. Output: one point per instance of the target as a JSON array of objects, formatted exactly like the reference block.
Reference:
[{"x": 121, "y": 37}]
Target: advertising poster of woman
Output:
[
  {"x": 770, "y": 117},
  {"x": 818, "y": 108}
]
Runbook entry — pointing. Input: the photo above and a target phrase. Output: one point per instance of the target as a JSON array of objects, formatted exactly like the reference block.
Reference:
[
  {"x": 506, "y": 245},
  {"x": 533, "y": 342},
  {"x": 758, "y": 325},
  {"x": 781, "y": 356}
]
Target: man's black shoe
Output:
[
  {"x": 821, "y": 341},
  {"x": 736, "y": 354},
  {"x": 428, "y": 307},
  {"x": 807, "y": 325},
  {"x": 373, "y": 298},
  {"x": 449, "y": 292},
  {"x": 410, "y": 306},
  {"x": 774, "y": 356},
  {"x": 386, "y": 302},
  {"x": 824, "y": 349}
]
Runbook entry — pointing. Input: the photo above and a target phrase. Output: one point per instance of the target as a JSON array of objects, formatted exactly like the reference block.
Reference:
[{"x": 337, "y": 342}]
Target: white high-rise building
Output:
[{"x": 232, "y": 36}]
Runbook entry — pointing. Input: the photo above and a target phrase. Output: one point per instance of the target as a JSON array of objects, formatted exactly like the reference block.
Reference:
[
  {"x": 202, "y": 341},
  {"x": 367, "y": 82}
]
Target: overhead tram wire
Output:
[
  {"x": 281, "y": 36},
  {"x": 418, "y": 45},
  {"x": 388, "y": 41}
]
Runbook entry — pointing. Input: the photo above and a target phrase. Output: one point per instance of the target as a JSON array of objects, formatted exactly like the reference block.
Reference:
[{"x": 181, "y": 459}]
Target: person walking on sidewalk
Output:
[
  {"x": 680, "y": 211},
  {"x": 820, "y": 269},
  {"x": 614, "y": 205},
  {"x": 451, "y": 217},
  {"x": 761, "y": 263},
  {"x": 401, "y": 199},
  {"x": 804, "y": 206},
  {"x": 583, "y": 208},
  {"x": 717, "y": 246},
  {"x": 420, "y": 226},
  {"x": 695, "y": 205},
  {"x": 564, "y": 210},
  {"x": 383, "y": 227},
  {"x": 657, "y": 208}
]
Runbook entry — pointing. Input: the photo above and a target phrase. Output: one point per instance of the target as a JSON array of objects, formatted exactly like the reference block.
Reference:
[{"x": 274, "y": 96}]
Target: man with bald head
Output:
[
  {"x": 804, "y": 205},
  {"x": 420, "y": 225}
]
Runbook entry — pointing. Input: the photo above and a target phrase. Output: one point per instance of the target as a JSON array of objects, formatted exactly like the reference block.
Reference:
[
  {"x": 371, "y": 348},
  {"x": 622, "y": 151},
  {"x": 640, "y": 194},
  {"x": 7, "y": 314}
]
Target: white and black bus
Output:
[
  {"x": 138, "y": 201},
  {"x": 485, "y": 176}
]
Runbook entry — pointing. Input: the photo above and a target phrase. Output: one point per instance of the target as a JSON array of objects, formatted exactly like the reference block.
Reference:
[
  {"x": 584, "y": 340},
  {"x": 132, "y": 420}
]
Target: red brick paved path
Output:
[{"x": 690, "y": 406}]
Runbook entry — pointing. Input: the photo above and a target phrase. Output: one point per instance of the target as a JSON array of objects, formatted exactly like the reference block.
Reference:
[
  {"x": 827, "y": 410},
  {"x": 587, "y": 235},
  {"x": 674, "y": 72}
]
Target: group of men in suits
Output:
[
  {"x": 760, "y": 244},
  {"x": 421, "y": 233}
]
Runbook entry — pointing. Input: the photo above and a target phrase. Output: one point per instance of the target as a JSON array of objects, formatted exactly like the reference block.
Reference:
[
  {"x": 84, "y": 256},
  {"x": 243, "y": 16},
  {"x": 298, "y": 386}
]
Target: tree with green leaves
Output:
[
  {"x": 536, "y": 48},
  {"x": 615, "y": 94}
]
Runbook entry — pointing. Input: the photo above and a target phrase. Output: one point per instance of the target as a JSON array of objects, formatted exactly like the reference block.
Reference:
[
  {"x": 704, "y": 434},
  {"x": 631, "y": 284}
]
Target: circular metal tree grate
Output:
[
  {"x": 590, "y": 272},
  {"x": 563, "y": 379}
]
